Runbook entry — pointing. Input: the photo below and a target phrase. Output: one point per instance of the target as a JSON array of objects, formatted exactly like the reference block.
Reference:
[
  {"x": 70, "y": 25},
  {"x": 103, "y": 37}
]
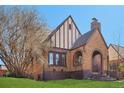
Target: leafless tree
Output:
[
  {"x": 22, "y": 39},
  {"x": 120, "y": 60}
]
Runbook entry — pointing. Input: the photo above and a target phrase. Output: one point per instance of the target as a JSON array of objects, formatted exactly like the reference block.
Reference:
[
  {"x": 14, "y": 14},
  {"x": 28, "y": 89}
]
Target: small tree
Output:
[
  {"x": 22, "y": 38},
  {"x": 121, "y": 67}
]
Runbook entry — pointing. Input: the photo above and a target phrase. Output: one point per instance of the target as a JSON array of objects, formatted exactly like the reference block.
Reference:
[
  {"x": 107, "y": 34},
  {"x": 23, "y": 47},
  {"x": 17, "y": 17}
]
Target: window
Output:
[
  {"x": 70, "y": 26},
  {"x": 57, "y": 58},
  {"x": 51, "y": 58},
  {"x": 63, "y": 59},
  {"x": 113, "y": 67},
  {"x": 78, "y": 58}
]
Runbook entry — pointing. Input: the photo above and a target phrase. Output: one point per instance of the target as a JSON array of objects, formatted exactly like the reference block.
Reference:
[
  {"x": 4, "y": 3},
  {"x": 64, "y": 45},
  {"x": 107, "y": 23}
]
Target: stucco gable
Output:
[
  {"x": 65, "y": 34},
  {"x": 58, "y": 27}
]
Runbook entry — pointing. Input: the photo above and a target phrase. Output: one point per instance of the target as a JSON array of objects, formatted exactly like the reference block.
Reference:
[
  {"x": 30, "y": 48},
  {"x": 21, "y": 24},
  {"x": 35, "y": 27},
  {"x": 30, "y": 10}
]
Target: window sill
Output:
[{"x": 57, "y": 66}]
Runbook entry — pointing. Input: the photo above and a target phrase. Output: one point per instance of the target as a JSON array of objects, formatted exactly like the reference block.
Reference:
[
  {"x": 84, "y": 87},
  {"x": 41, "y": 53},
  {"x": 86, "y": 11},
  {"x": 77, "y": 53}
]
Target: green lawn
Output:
[{"x": 68, "y": 83}]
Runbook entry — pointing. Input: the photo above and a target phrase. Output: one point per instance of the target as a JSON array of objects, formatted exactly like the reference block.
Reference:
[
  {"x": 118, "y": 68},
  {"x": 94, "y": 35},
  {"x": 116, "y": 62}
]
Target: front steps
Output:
[{"x": 102, "y": 77}]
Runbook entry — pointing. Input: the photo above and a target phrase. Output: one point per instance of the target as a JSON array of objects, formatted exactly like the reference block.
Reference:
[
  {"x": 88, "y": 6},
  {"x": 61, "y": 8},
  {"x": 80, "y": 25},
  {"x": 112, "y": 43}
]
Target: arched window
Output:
[
  {"x": 77, "y": 58},
  {"x": 97, "y": 62}
]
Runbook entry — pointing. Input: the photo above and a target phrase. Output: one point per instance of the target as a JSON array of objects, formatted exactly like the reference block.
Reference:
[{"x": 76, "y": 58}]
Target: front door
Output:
[{"x": 97, "y": 62}]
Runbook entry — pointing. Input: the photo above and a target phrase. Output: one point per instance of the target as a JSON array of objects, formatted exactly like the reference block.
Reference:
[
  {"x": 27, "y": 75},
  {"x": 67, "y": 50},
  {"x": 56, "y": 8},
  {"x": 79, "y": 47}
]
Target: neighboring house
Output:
[
  {"x": 74, "y": 55},
  {"x": 3, "y": 70},
  {"x": 116, "y": 57}
]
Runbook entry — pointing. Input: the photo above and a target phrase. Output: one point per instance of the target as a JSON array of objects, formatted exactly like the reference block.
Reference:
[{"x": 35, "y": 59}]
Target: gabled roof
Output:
[
  {"x": 83, "y": 39},
  {"x": 118, "y": 49},
  {"x": 56, "y": 29}
]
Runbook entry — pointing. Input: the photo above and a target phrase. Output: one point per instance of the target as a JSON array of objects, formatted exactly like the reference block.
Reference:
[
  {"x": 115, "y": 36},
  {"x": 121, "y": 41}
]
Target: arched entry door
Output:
[{"x": 97, "y": 62}]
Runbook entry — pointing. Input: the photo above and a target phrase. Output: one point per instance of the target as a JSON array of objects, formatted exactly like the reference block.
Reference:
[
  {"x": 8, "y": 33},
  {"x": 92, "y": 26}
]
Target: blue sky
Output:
[{"x": 111, "y": 18}]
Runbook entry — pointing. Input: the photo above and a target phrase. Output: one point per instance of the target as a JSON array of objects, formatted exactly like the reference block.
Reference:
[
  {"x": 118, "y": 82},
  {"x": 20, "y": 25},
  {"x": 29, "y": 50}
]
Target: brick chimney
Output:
[{"x": 95, "y": 24}]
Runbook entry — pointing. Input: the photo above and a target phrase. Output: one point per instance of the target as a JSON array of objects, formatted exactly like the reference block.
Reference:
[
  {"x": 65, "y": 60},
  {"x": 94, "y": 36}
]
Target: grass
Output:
[{"x": 7, "y": 82}]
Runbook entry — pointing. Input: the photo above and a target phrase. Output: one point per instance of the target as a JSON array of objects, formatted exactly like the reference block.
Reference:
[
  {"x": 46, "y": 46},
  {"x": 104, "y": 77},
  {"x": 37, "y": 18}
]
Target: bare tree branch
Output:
[{"x": 22, "y": 38}]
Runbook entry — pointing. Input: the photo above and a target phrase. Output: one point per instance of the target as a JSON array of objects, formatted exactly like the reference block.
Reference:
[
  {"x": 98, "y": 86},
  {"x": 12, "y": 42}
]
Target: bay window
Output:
[{"x": 57, "y": 58}]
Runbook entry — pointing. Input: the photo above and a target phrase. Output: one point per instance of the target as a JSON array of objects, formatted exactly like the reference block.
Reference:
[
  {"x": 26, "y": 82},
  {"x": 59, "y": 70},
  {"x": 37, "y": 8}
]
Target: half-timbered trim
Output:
[
  {"x": 54, "y": 31},
  {"x": 64, "y": 35},
  {"x": 59, "y": 39},
  {"x": 75, "y": 25},
  {"x": 75, "y": 34},
  {"x": 68, "y": 34},
  {"x": 55, "y": 40},
  {"x": 71, "y": 33}
]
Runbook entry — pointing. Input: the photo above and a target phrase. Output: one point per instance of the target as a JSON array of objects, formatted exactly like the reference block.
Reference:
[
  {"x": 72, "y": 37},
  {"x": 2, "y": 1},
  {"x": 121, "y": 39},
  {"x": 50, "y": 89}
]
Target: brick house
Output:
[
  {"x": 73, "y": 54},
  {"x": 116, "y": 57}
]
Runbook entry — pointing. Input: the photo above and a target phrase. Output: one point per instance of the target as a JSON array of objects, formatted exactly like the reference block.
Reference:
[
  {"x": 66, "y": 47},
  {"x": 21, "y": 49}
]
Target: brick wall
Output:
[{"x": 96, "y": 42}]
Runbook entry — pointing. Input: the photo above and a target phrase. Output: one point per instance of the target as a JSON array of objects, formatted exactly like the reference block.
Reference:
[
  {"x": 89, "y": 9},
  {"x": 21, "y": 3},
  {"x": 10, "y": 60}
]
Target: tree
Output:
[
  {"x": 121, "y": 67},
  {"x": 22, "y": 39}
]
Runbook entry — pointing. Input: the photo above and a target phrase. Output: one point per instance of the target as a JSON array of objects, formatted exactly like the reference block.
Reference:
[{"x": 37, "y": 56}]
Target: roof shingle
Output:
[{"x": 82, "y": 40}]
